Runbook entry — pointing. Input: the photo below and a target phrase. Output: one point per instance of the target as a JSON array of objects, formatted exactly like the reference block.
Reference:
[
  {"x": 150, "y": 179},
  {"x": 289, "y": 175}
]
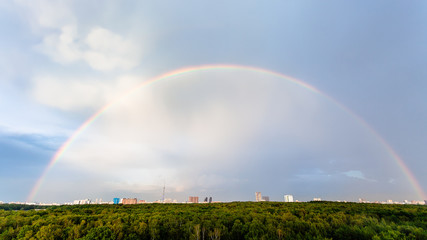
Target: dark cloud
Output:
[{"x": 23, "y": 159}]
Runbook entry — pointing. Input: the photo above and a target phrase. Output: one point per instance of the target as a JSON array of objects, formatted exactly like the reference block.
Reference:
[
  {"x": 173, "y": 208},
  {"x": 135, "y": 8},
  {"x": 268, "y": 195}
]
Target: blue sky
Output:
[{"x": 221, "y": 133}]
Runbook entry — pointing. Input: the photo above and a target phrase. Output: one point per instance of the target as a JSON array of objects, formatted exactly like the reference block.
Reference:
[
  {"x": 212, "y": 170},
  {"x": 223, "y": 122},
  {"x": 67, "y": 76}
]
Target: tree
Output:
[{"x": 101, "y": 233}]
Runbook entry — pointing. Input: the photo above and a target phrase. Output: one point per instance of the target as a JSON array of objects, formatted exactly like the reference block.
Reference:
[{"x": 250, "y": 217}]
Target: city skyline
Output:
[
  {"x": 213, "y": 99},
  {"x": 259, "y": 197},
  {"x": 194, "y": 199}
]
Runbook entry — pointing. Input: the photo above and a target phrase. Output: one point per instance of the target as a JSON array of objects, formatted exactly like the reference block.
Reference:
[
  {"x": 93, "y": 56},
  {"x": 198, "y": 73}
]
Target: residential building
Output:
[
  {"x": 258, "y": 196},
  {"x": 129, "y": 201},
  {"x": 289, "y": 198},
  {"x": 193, "y": 199}
]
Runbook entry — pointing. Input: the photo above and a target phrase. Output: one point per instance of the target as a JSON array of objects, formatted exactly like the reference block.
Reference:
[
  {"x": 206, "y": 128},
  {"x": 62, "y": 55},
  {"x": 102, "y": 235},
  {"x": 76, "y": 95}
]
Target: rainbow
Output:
[{"x": 413, "y": 181}]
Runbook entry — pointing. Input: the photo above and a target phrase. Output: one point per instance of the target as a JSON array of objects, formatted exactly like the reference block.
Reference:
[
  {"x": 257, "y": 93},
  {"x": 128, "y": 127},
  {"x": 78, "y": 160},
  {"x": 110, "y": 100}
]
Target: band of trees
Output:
[{"x": 237, "y": 220}]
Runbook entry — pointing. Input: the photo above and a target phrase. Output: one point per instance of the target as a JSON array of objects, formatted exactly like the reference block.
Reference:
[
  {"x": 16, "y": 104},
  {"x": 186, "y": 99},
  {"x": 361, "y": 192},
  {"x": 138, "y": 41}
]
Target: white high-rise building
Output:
[
  {"x": 84, "y": 201},
  {"x": 289, "y": 198},
  {"x": 258, "y": 196}
]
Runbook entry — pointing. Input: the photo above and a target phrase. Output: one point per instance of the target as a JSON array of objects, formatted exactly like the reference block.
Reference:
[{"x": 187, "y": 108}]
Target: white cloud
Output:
[
  {"x": 47, "y": 14},
  {"x": 65, "y": 41},
  {"x": 21, "y": 115},
  {"x": 101, "y": 49},
  {"x": 108, "y": 51},
  {"x": 62, "y": 47},
  {"x": 77, "y": 94},
  {"x": 68, "y": 94}
]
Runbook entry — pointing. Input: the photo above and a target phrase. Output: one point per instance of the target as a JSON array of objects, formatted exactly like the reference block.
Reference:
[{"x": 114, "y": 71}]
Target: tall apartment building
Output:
[
  {"x": 289, "y": 198},
  {"x": 84, "y": 201},
  {"x": 258, "y": 196},
  {"x": 193, "y": 199},
  {"x": 129, "y": 201}
]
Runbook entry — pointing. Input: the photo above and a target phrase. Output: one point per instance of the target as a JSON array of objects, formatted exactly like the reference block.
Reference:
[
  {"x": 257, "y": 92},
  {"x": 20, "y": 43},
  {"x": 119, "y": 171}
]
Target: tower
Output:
[{"x": 163, "y": 196}]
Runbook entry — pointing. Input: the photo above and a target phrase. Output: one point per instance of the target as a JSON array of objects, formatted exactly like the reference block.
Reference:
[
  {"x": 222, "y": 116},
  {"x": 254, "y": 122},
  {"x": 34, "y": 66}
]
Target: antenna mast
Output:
[{"x": 163, "y": 197}]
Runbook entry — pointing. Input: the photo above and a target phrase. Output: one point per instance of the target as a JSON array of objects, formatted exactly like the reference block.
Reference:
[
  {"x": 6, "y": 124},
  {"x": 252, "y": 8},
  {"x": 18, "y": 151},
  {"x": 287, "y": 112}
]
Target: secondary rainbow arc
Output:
[{"x": 399, "y": 161}]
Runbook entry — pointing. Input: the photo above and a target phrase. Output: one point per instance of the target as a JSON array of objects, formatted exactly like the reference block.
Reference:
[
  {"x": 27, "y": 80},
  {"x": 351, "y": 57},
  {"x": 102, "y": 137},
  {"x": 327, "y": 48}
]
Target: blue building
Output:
[{"x": 116, "y": 200}]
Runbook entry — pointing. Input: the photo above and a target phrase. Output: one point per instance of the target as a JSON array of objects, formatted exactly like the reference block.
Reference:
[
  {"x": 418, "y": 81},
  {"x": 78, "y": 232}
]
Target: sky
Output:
[{"x": 359, "y": 99}]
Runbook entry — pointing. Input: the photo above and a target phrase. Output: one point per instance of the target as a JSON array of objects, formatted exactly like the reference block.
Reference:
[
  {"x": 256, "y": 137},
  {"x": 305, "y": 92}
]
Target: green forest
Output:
[{"x": 235, "y": 220}]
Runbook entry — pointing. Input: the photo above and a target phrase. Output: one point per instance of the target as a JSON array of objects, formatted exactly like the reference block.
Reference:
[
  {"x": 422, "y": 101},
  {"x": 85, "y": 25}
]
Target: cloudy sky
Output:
[{"x": 221, "y": 132}]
